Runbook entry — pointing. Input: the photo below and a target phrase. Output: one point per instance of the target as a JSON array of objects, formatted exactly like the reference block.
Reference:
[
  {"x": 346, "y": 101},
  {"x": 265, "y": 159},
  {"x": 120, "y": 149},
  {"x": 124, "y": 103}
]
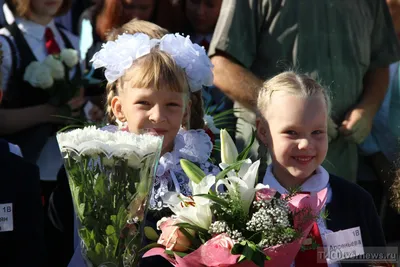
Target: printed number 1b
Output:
[
  {"x": 356, "y": 233},
  {"x": 7, "y": 209}
]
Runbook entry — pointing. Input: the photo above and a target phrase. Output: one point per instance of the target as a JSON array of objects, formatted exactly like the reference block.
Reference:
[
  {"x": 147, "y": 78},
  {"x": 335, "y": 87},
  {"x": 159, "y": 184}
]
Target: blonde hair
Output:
[
  {"x": 153, "y": 70},
  {"x": 156, "y": 70},
  {"x": 291, "y": 83},
  {"x": 138, "y": 26}
]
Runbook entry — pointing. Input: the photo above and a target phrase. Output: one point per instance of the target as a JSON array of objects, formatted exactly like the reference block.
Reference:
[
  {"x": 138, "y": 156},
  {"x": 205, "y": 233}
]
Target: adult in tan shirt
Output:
[{"x": 347, "y": 45}]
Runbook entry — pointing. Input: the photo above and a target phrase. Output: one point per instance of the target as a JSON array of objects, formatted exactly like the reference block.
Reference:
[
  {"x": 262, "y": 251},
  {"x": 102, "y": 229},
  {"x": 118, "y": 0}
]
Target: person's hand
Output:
[
  {"x": 75, "y": 105},
  {"x": 332, "y": 130},
  {"x": 357, "y": 125}
]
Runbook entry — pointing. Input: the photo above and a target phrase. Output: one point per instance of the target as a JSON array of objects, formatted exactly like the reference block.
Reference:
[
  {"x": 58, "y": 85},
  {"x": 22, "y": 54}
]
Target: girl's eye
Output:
[
  {"x": 317, "y": 132},
  {"x": 290, "y": 132},
  {"x": 143, "y": 102},
  {"x": 173, "y": 104}
]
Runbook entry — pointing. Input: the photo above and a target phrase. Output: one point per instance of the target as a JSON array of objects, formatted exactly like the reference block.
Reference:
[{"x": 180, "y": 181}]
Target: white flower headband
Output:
[{"x": 118, "y": 56}]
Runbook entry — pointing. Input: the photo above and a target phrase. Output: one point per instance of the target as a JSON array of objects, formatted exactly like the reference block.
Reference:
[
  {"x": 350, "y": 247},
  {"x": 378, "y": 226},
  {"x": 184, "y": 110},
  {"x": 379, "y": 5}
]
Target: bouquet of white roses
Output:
[
  {"x": 110, "y": 176},
  {"x": 232, "y": 221},
  {"x": 53, "y": 75}
]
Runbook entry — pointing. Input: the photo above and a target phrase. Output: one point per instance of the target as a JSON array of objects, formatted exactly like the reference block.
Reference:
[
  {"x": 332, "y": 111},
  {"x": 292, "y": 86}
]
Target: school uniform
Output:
[
  {"x": 23, "y": 42},
  {"x": 21, "y": 233},
  {"x": 347, "y": 204}
]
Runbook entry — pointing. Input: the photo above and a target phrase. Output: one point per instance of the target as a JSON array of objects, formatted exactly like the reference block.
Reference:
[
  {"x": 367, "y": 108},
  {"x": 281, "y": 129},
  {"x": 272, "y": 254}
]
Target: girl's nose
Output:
[
  {"x": 156, "y": 114},
  {"x": 304, "y": 144}
]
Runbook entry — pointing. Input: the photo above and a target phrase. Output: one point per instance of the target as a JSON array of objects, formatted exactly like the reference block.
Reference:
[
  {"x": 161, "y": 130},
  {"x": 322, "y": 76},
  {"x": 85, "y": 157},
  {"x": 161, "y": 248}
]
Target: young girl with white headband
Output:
[{"x": 150, "y": 82}]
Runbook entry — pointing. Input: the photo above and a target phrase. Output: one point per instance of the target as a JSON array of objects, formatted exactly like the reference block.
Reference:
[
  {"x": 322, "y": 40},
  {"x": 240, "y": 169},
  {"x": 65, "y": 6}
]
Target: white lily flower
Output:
[
  {"x": 229, "y": 152},
  {"x": 242, "y": 187},
  {"x": 242, "y": 171},
  {"x": 192, "y": 210},
  {"x": 204, "y": 186}
]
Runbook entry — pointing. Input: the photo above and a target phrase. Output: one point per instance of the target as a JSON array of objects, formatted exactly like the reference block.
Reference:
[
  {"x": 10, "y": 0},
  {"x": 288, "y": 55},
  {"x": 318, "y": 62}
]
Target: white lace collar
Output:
[
  {"x": 193, "y": 145},
  {"x": 315, "y": 183}
]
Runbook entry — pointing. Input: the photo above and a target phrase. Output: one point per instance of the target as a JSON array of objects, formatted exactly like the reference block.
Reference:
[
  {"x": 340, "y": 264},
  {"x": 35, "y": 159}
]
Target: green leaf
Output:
[
  {"x": 99, "y": 188},
  {"x": 249, "y": 251},
  {"x": 231, "y": 167},
  {"x": 110, "y": 230},
  {"x": 172, "y": 253},
  {"x": 215, "y": 199},
  {"x": 192, "y": 227},
  {"x": 99, "y": 249},
  {"x": 150, "y": 233},
  {"x": 256, "y": 238},
  {"x": 238, "y": 248},
  {"x": 189, "y": 236},
  {"x": 242, "y": 258},
  {"x": 192, "y": 171},
  {"x": 243, "y": 155}
]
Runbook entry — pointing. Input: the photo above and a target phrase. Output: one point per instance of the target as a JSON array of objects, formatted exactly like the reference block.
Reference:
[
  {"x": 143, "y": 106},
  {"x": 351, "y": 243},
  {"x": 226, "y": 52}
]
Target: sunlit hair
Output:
[
  {"x": 291, "y": 83},
  {"x": 138, "y": 26},
  {"x": 157, "y": 71},
  {"x": 21, "y": 8}
]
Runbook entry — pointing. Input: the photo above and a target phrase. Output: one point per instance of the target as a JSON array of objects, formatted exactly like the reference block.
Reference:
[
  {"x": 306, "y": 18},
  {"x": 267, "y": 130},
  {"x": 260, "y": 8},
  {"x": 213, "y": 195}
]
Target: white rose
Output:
[
  {"x": 69, "y": 57},
  {"x": 209, "y": 122},
  {"x": 30, "y": 70},
  {"x": 56, "y": 67},
  {"x": 38, "y": 75}
]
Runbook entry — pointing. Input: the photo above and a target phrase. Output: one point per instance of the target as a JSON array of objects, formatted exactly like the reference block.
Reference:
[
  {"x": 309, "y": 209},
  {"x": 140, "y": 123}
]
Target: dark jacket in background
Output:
[{"x": 20, "y": 185}]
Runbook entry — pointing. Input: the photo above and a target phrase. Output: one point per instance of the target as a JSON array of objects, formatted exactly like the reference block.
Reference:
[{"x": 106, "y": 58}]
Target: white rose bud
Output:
[
  {"x": 38, "y": 75},
  {"x": 30, "y": 70},
  {"x": 69, "y": 57},
  {"x": 56, "y": 67}
]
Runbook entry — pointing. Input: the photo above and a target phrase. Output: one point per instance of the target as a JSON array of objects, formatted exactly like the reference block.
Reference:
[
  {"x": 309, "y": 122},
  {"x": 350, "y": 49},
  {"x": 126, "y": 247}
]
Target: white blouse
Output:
[
  {"x": 34, "y": 36},
  {"x": 50, "y": 160}
]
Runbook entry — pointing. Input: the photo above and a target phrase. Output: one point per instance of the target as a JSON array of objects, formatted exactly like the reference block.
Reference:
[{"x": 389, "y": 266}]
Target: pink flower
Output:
[
  {"x": 263, "y": 192},
  {"x": 220, "y": 241},
  {"x": 171, "y": 237}
]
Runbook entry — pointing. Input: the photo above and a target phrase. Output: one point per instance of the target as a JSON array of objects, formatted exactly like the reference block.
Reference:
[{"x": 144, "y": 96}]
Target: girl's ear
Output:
[
  {"x": 262, "y": 129},
  {"x": 116, "y": 107},
  {"x": 186, "y": 115}
]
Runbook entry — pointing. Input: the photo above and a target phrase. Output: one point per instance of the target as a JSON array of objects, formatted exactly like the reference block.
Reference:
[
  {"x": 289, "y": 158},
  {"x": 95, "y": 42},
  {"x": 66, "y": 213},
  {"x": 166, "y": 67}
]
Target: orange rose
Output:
[{"x": 171, "y": 237}]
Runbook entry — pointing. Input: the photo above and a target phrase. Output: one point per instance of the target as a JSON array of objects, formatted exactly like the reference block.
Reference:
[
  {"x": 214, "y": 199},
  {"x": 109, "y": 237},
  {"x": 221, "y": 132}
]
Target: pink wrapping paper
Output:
[{"x": 281, "y": 255}]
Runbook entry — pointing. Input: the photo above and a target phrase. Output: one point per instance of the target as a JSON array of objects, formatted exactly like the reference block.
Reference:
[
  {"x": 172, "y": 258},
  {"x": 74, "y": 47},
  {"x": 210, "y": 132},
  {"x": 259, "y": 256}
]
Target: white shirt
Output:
[
  {"x": 6, "y": 16},
  {"x": 50, "y": 160},
  {"x": 314, "y": 184},
  {"x": 34, "y": 36},
  {"x": 15, "y": 149}
]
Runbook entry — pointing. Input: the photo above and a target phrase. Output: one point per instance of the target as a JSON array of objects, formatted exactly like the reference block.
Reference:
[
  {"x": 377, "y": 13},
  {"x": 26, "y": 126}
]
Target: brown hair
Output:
[
  {"x": 108, "y": 16},
  {"x": 137, "y": 26},
  {"x": 154, "y": 31},
  {"x": 292, "y": 83},
  {"x": 21, "y": 7}
]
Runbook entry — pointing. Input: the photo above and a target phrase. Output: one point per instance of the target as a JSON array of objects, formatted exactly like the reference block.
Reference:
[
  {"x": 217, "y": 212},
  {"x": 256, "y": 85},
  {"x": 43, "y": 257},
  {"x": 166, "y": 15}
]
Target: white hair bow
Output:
[{"x": 118, "y": 56}]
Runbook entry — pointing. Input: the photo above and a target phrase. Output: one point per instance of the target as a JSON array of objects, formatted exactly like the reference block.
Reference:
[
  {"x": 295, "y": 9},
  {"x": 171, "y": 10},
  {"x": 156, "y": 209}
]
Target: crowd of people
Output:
[{"x": 319, "y": 80}]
